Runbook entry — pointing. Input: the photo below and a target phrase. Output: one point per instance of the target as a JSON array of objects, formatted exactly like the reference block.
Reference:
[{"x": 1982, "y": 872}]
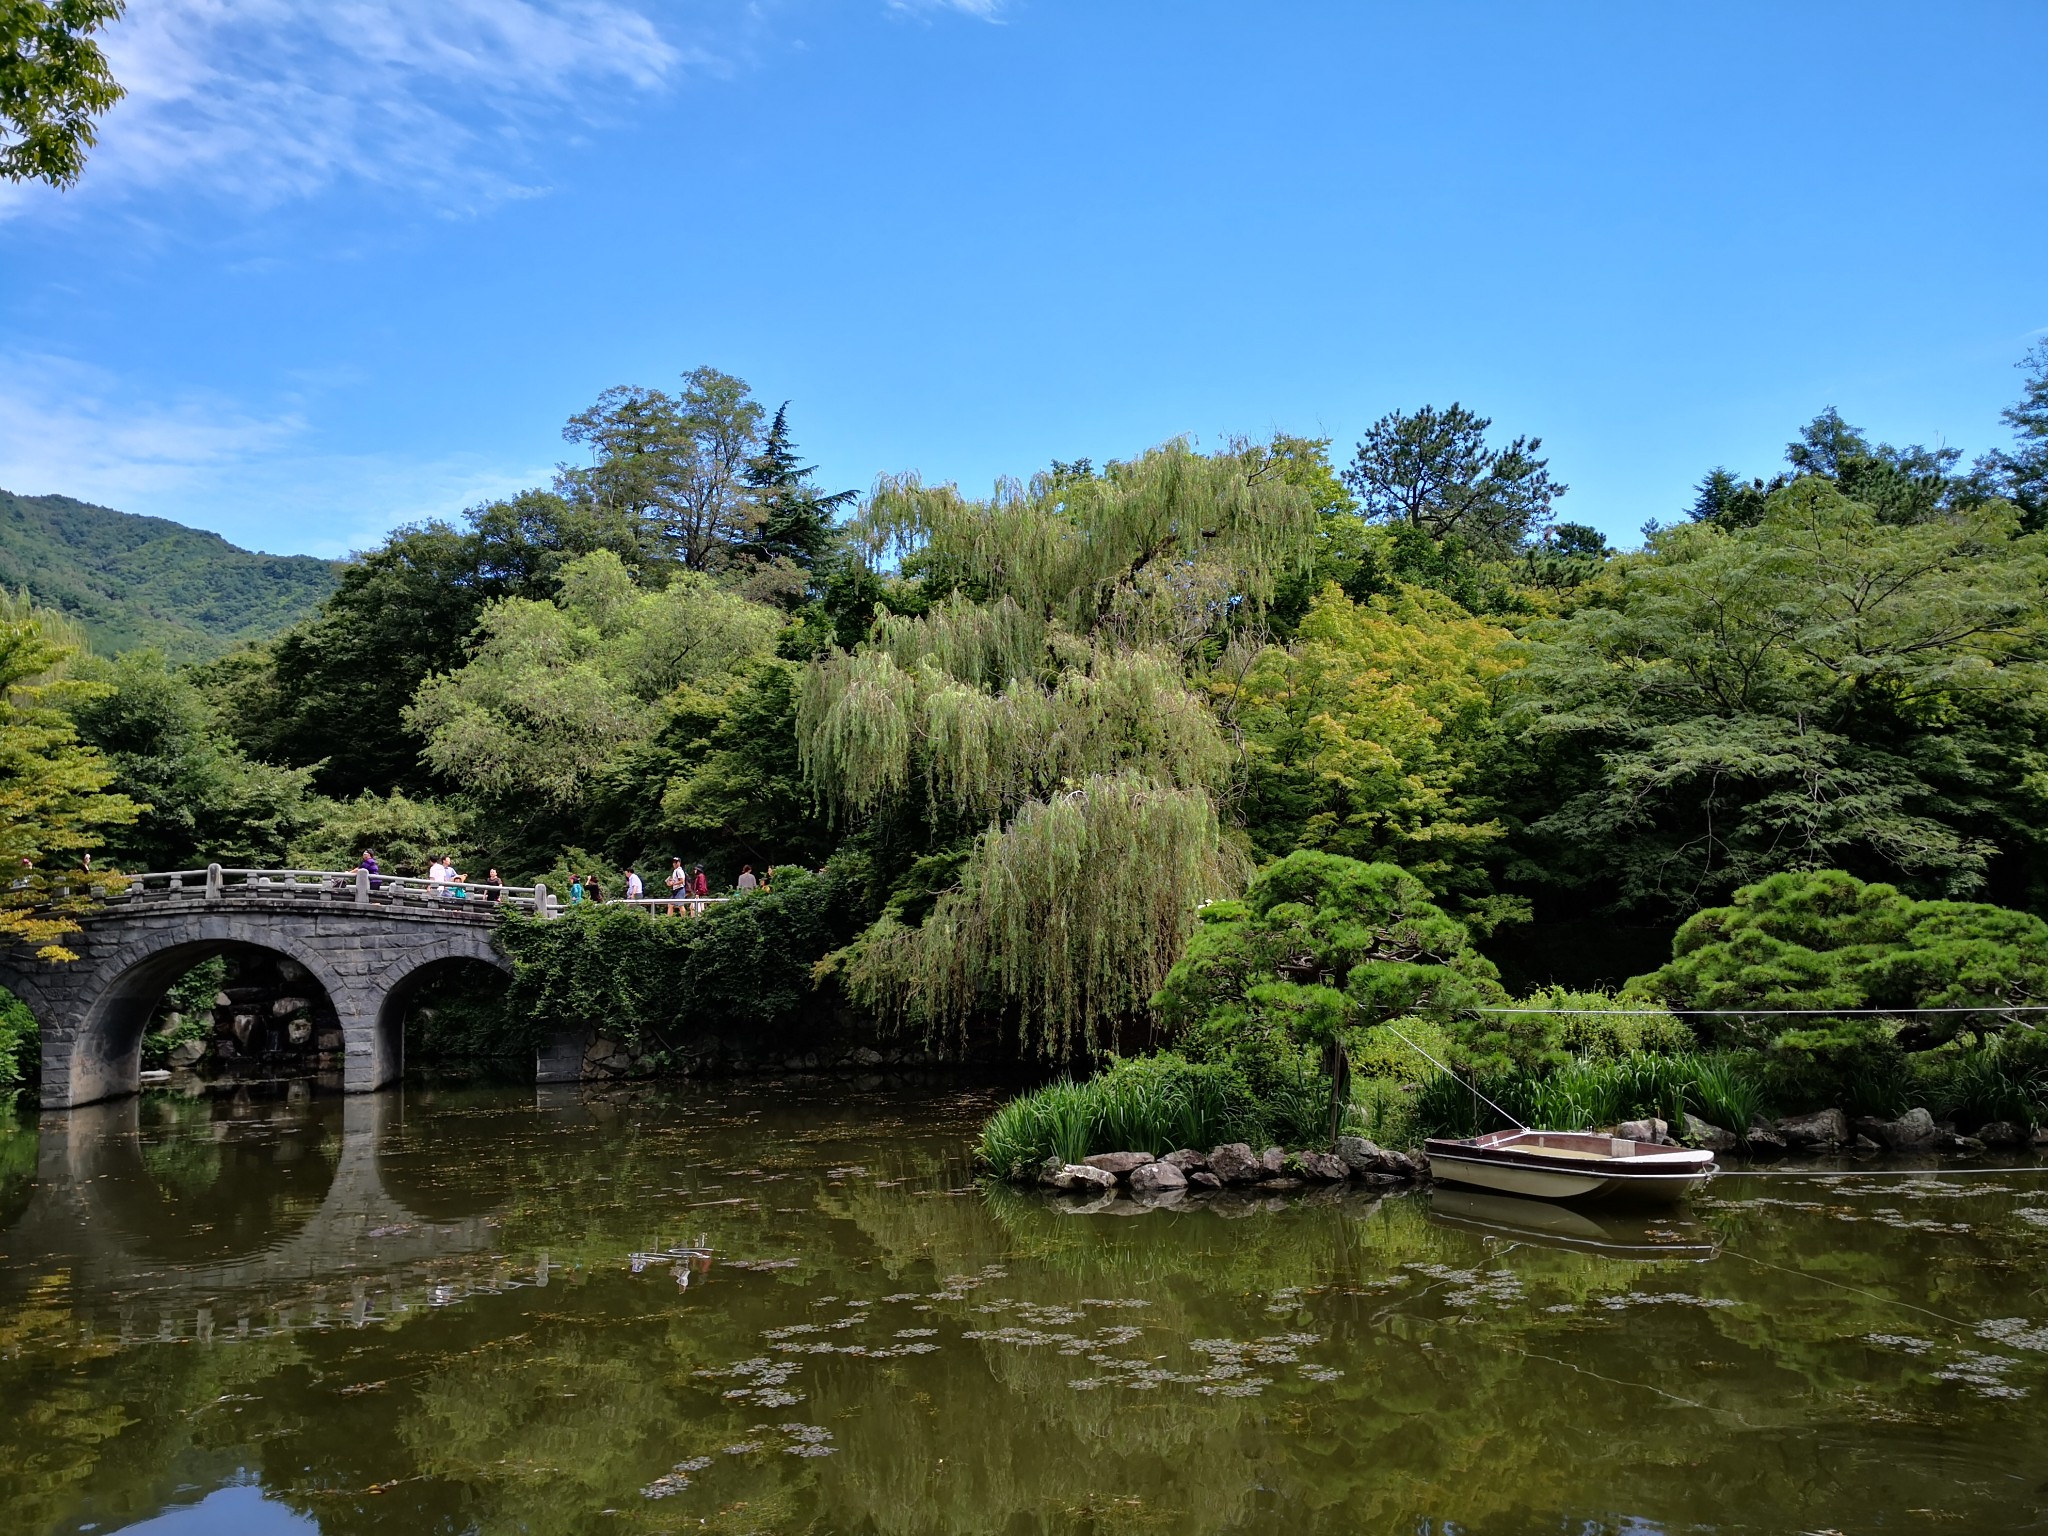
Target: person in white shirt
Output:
[
  {"x": 634, "y": 889},
  {"x": 440, "y": 873}
]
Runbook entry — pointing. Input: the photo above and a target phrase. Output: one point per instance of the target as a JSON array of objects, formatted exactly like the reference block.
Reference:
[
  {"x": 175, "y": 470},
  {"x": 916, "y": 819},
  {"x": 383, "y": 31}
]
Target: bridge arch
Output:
[{"x": 93, "y": 1010}]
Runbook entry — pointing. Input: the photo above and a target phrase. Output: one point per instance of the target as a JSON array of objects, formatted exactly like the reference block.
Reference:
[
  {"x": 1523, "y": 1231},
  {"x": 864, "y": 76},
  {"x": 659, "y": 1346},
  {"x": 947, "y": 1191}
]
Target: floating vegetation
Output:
[
  {"x": 2017, "y": 1332},
  {"x": 2033, "y": 1216},
  {"x": 675, "y": 1480},
  {"x": 1985, "y": 1374}
]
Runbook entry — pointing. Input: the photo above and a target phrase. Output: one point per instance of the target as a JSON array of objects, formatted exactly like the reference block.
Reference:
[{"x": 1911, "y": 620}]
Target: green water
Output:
[{"x": 474, "y": 1311}]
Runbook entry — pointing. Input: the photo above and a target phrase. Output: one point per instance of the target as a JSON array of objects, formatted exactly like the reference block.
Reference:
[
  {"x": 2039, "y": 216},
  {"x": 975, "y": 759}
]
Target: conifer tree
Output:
[{"x": 795, "y": 517}]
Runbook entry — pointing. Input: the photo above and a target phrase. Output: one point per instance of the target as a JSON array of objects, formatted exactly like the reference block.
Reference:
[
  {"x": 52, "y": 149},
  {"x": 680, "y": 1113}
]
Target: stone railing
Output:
[
  {"x": 344, "y": 887},
  {"x": 358, "y": 887}
]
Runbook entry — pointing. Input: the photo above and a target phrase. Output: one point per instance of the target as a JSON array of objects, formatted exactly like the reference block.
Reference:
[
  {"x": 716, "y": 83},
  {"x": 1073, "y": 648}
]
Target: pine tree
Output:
[{"x": 796, "y": 518}]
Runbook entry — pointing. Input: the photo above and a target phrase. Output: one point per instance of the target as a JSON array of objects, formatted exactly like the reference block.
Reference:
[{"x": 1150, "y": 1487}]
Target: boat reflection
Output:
[{"x": 1615, "y": 1233}]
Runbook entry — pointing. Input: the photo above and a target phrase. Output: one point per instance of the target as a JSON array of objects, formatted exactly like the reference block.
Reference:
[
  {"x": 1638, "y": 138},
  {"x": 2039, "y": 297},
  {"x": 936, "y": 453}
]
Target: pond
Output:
[{"x": 792, "y": 1309}]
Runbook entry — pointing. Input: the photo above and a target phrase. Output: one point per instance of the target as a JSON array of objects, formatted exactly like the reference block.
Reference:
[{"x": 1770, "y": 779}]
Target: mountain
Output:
[{"x": 135, "y": 581}]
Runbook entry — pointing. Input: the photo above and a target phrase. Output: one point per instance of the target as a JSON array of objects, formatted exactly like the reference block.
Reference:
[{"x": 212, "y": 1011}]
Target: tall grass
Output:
[
  {"x": 1149, "y": 1104},
  {"x": 1720, "y": 1087}
]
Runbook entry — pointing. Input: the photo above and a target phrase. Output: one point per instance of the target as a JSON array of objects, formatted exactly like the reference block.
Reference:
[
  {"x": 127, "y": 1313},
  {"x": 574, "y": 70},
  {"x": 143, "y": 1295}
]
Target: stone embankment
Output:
[
  {"x": 1234, "y": 1166},
  {"x": 1829, "y": 1131}
]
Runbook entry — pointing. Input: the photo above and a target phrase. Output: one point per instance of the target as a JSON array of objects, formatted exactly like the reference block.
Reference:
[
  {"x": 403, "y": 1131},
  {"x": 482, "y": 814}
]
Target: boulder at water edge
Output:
[
  {"x": 1761, "y": 1141},
  {"x": 1235, "y": 1163},
  {"x": 1914, "y": 1131},
  {"x": 1274, "y": 1161},
  {"x": 2001, "y": 1133},
  {"x": 1156, "y": 1178},
  {"x": 1322, "y": 1165},
  {"x": 1118, "y": 1164},
  {"x": 1652, "y": 1129},
  {"x": 1079, "y": 1178},
  {"x": 1702, "y": 1133},
  {"x": 1187, "y": 1161},
  {"x": 1829, "y": 1128}
]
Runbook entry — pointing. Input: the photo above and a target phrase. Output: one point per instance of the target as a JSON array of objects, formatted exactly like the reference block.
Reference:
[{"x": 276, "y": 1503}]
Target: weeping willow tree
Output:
[{"x": 1052, "y": 693}]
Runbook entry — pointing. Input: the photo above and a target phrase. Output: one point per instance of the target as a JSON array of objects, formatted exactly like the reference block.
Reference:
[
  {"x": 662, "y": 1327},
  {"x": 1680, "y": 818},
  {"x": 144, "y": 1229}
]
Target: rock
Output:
[
  {"x": 1360, "y": 1155},
  {"x": 1281, "y": 1185},
  {"x": 285, "y": 1007},
  {"x": 1761, "y": 1141},
  {"x": 1829, "y": 1128},
  {"x": 222, "y": 1000},
  {"x": 299, "y": 1031},
  {"x": 1643, "y": 1130},
  {"x": 1701, "y": 1133},
  {"x": 1156, "y": 1178},
  {"x": 1962, "y": 1144},
  {"x": 2041, "y": 1136},
  {"x": 1119, "y": 1165},
  {"x": 1079, "y": 1178},
  {"x": 225, "y": 1050},
  {"x": 1235, "y": 1163},
  {"x": 1914, "y": 1131},
  {"x": 1366, "y": 1159},
  {"x": 242, "y": 1026},
  {"x": 868, "y": 1058},
  {"x": 331, "y": 1040},
  {"x": 187, "y": 1053},
  {"x": 1049, "y": 1170},
  {"x": 1274, "y": 1161},
  {"x": 1187, "y": 1161},
  {"x": 1864, "y": 1144},
  {"x": 2001, "y": 1133},
  {"x": 1325, "y": 1166},
  {"x": 1202, "y": 1178}
]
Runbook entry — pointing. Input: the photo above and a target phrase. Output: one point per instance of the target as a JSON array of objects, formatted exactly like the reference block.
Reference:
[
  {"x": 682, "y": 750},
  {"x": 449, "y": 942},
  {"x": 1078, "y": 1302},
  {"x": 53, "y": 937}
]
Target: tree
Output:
[
  {"x": 795, "y": 517},
  {"x": 332, "y": 691},
  {"x": 55, "y": 801},
  {"x": 201, "y": 799},
  {"x": 1364, "y": 736},
  {"x": 1825, "y": 940},
  {"x": 53, "y": 82},
  {"x": 2021, "y": 473},
  {"x": 556, "y": 689},
  {"x": 1049, "y": 694},
  {"x": 677, "y": 464},
  {"x": 1434, "y": 471},
  {"x": 1830, "y": 687}
]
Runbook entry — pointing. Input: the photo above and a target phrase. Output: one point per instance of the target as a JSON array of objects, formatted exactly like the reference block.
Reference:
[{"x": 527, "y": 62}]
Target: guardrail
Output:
[{"x": 358, "y": 887}]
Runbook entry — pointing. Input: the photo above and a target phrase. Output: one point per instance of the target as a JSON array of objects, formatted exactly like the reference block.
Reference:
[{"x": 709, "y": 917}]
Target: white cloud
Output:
[
  {"x": 264, "y": 100},
  {"x": 70, "y": 430},
  {"x": 981, "y": 10}
]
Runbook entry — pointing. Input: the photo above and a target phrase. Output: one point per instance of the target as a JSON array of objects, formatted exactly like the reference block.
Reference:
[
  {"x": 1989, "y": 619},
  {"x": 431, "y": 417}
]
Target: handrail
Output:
[{"x": 219, "y": 882}]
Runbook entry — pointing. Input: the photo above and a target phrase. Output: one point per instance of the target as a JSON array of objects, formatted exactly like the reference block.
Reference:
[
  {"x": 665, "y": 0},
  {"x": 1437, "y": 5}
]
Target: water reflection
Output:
[{"x": 487, "y": 1311}]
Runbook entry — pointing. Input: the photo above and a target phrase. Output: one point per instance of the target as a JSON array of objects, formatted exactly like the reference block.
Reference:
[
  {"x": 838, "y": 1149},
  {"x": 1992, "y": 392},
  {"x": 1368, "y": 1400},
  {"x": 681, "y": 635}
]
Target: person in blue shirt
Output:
[{"x": 575, "y": 890}]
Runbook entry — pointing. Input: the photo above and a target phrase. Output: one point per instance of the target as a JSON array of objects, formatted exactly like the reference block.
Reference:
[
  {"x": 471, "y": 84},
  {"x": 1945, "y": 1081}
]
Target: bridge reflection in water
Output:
[{"x": 263, "y": 1218}]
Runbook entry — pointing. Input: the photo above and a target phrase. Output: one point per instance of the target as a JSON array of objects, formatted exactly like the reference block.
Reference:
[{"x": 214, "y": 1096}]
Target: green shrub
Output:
[
  {"x": 20, "y": 1042},
  {"x": 649, "y": 979}
]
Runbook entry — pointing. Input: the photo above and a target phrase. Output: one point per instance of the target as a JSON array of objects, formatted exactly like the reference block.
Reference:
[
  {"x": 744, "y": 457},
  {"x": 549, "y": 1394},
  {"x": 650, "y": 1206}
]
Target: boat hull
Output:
[{"x": 1569, "y": 1165}]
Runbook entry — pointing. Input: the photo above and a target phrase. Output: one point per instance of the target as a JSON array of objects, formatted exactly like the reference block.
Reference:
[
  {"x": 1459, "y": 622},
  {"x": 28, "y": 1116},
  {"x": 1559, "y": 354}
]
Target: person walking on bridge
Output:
[
  {"x": 678, "y": 884},
  {"x": 634, "y": 889}
]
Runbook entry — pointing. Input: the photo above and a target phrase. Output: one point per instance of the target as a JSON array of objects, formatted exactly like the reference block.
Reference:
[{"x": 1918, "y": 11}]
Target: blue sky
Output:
[{"x": 341, "y": 265}]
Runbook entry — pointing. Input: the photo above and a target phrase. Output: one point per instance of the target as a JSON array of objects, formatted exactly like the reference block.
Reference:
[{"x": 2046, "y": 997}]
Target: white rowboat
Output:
[{"x": 1568, "y": 1165}]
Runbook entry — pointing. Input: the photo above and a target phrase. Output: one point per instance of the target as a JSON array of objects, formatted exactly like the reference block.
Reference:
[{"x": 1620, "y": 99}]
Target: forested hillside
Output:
[{"x": 135, "y": 581}]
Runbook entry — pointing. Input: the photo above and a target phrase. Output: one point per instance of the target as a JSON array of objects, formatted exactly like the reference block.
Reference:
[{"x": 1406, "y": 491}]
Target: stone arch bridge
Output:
[{"x": 365, "y": 942}]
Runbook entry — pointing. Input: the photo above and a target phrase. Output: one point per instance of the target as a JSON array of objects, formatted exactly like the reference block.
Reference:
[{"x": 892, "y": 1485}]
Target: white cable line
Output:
[
  {"x": 1646, "y": 1013},
  {"x": 1457, "y": 1079}
]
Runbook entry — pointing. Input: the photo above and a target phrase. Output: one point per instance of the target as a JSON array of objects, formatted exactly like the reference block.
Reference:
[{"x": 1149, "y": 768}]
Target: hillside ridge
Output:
[{"x": 135, "y": 581}]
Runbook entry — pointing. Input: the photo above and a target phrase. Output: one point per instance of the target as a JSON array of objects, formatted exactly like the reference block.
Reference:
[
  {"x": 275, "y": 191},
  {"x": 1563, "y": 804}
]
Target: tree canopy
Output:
[{"x": 54, "y": 84}]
